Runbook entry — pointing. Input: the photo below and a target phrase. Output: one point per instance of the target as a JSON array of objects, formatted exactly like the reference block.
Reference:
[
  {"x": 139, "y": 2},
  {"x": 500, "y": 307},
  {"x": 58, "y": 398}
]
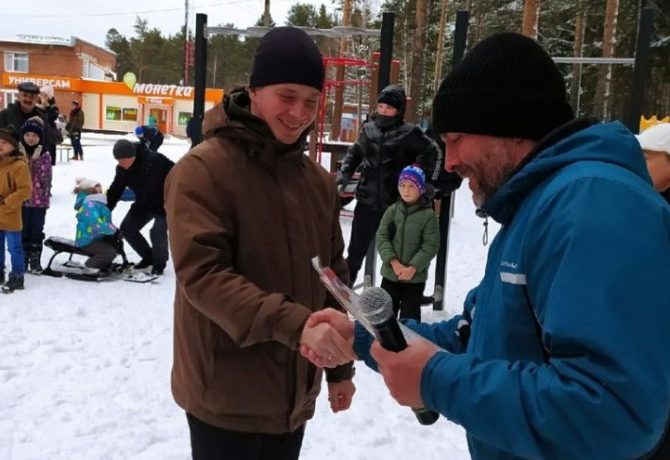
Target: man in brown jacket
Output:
[{"x": 247, "y": 210}]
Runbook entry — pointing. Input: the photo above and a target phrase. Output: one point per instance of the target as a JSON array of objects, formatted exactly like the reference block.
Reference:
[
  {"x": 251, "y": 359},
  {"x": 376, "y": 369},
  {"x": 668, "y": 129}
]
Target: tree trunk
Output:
[
  {"x": 531, "y": 13},
  {"x": 439, "y": 55},
  {"x": 416, "y": 85},
  {"x": 576, "y": 86},
  {"x": 603, "y": 101},
  {"x": 336, "y": 123},
  {"x": 266, "y": 14}
]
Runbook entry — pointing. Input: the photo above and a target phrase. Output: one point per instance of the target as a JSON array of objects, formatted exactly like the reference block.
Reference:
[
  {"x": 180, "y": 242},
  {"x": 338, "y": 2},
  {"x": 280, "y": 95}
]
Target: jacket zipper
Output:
[
  {"x": 292, "y": 377},
  {"x": 402, "y": 234}
]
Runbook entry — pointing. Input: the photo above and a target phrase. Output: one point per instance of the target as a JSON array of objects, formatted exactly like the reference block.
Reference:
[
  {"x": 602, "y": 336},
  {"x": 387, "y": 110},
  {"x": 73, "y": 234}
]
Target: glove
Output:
[{"x": 342, "y": 181}]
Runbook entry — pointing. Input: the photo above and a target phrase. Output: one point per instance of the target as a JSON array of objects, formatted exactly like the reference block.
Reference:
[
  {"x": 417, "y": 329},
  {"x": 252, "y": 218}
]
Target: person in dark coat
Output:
[
  {"x": 384, "y": 147},
  {"x": 144, "y": 172},
  {"x": 75, "y": 124},
  {"x": 151, "y": 136},
  {"x": 52, "y": 135},
  {"x": 447, "y": 181},
  {"x": 24, "y": 108},
  {"x": 190, "y": 129}
]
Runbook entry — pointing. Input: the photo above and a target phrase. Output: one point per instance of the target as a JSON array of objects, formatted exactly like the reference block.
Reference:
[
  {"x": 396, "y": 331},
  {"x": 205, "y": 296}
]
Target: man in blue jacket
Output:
[{"x": 570, "y": 326}]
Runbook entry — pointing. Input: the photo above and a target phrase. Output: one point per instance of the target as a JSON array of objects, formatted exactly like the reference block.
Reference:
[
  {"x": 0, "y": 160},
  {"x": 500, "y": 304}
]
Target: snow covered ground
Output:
[{"x": 85, "y": 368}]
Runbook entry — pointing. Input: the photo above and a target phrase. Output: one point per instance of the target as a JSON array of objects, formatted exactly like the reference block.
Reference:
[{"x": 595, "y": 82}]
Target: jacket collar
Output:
[
  {"x": 16, "y": 155},
  {"x": 233, "y": 119},
  {"x": 577, "y": 140}
]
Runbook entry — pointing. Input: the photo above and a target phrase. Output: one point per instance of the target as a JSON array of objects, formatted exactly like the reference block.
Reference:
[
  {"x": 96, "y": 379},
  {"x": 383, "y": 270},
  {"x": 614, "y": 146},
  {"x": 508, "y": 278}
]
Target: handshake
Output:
[
  {"x": 327, "y": 338},
  {"x": 327, "y": 341}
]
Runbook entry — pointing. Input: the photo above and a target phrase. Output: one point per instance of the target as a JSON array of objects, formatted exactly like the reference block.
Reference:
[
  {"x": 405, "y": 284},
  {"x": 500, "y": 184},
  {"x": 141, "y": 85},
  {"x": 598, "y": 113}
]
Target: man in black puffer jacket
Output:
[
  {"x": 384, "y": 147},
  {"x": 143, "y": 172}
]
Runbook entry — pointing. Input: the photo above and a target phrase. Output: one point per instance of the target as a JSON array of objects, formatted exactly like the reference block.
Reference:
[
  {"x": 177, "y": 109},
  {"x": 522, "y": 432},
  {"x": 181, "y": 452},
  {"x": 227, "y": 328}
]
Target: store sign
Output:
[
  {"x": 57, "y": 83},
  {"x": 150, "y": 89}
]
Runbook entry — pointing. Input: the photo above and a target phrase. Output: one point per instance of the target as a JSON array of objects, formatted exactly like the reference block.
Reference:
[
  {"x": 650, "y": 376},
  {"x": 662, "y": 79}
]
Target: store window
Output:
[
  {"x": 92, "y": 71},
  {"x": 7, "y": 98},
  {"x": 113, "y": 113},
  {"x": 183, "y": 118},
  {"x": 16, "y": 62},
  {"x": 129, "y": 115}
]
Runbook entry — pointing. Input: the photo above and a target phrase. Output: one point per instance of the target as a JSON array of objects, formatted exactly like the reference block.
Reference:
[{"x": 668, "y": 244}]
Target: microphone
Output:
[{"x": 377, "y": 308}]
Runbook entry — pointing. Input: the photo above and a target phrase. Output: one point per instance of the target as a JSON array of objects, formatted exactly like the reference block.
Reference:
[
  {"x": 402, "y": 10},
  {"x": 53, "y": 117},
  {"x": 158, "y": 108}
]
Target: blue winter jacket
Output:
[
  {"x": 581, "y": 261},
  {"x": 94, "y": 219}
]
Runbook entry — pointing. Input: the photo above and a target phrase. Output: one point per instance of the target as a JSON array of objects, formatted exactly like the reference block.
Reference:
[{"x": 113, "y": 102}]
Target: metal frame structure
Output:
[
  {"x": 328, "y": 85},
  {"x": 640, "y": 70}
]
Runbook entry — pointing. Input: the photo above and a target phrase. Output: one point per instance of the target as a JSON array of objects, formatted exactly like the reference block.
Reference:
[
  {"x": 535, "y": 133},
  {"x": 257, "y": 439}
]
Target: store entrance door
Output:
[{"x": 159, "y": 118}]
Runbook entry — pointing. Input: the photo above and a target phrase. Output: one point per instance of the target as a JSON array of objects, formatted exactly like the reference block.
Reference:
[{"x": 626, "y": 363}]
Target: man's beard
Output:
[{"x": 490, "y": 173}]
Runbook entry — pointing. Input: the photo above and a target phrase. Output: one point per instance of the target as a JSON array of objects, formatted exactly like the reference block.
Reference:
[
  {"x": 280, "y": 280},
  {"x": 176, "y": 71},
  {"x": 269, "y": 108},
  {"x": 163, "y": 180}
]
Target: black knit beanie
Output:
[
  {"x": 123, "y": 148},
  {"x": 287, "y": 55},
  {"x": 393, "y": 95},
  {"x": 33, "y": 125},
  {"x": 506, "y": 86}
]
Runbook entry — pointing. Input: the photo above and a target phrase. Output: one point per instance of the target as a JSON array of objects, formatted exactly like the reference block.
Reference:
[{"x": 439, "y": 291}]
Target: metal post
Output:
[
  {"x": 386, "y": 52},
  {"x": 640, "y": 70},
  {"x": 200, "y": 76},
  {"x": 460, "y": 40}
]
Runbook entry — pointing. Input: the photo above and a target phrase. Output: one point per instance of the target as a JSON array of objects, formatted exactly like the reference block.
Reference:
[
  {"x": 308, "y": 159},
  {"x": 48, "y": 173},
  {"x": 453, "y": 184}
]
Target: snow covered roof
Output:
[
  {"x": 43, "y": 40},
  {"x": 51, "y": 40}
]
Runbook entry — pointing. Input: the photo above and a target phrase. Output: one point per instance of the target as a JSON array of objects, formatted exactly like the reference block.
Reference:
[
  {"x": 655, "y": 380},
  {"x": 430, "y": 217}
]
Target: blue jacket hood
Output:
[{"x": 579, "y": 140}]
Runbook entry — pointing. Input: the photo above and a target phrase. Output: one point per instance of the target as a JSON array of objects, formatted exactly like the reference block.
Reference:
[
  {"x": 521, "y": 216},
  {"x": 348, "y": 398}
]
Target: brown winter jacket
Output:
[
  {"x": 246, "y": 214},
  {"x": 15, "y": 188}
]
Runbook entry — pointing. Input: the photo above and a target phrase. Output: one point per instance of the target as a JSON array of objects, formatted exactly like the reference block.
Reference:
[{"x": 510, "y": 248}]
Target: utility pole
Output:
[{"x": 266, "y": 14}]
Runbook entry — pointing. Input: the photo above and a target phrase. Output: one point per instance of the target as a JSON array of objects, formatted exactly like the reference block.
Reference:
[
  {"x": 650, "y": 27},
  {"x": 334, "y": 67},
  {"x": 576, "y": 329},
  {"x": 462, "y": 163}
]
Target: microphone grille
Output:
[{"x": 376, "y": 305}]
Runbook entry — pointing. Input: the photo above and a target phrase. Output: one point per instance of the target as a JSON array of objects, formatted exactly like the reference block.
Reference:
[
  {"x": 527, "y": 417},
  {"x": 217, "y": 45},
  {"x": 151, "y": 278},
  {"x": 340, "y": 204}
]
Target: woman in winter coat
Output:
[
  {"x": 35, "y": 209},
  {"x": 96, "y": 234},
  {"x": 52, "y": 135},
  {"x": 15, "y": 188}
]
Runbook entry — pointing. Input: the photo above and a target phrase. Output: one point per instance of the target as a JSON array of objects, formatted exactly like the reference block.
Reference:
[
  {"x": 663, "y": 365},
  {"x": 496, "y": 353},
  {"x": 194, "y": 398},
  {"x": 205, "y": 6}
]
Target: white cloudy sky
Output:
[{"x": 90, "y": 19}]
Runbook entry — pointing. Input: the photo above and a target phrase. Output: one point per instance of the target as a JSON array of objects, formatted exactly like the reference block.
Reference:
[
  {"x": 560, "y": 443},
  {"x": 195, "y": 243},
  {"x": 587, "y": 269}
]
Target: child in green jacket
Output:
[{"x": 407, "y": 240}]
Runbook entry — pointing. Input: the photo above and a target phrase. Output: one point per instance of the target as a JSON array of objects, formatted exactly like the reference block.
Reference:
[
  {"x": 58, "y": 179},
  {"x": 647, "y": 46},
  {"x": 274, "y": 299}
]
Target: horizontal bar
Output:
[{"x": 593, "y": 60}]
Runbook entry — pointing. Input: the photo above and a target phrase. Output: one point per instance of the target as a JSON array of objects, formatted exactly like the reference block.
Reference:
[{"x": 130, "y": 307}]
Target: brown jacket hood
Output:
[
  {"x": 15, "y": 188},
  {"x": 246, "y": 214}
]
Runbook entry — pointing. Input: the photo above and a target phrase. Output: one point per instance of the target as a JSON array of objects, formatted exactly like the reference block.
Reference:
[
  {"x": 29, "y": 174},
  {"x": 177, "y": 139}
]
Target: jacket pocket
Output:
[{"x": 249, "y": 381}]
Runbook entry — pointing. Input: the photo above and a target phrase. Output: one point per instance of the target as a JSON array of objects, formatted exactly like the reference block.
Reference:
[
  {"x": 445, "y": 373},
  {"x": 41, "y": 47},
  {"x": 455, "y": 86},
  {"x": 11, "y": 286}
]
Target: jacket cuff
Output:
[
  {"x": 362, "y": 341},
  {"x": 341, "y": 373},
  {"x": 428, "y": 394},
  {"x": 290, "y": 323}
]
